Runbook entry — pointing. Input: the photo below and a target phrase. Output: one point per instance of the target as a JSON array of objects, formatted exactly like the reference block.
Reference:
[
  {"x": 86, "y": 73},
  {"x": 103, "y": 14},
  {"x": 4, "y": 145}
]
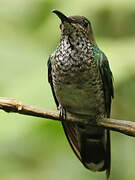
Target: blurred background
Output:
[{"x": 33, "y": 148}]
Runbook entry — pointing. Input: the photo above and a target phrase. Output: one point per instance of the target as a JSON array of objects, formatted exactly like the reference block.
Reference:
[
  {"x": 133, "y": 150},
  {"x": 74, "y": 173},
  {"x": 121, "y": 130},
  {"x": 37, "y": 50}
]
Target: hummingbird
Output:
[{"x": 82, "y": 85}]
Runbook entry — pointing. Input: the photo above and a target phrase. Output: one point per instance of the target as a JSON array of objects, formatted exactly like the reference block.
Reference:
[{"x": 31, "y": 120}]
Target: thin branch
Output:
[{"x": 14, "y": 106}]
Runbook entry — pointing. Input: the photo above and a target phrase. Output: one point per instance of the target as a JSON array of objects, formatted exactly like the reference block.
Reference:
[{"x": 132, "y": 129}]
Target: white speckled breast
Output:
[{"x": 76, "y": 79}]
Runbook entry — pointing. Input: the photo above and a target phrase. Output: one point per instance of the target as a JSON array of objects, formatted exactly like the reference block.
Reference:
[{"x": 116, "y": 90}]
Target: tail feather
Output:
[
  {"x": 93, "y": 154},
  {"x": 91, "y": 145},
  {"x": 93, "y": 151},
  {"x": 108, "y": 155}
]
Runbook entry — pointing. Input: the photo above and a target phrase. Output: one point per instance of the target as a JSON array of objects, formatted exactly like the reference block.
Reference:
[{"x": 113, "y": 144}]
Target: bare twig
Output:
[{"x": 12, "y": 105}]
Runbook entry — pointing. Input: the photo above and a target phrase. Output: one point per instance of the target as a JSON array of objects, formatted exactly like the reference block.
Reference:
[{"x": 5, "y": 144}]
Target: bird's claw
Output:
[{"x": 62, "y": 112}]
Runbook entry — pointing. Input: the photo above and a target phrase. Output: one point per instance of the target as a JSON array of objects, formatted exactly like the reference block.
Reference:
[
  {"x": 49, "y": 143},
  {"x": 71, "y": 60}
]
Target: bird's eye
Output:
[{"x": 85, "y": 23}]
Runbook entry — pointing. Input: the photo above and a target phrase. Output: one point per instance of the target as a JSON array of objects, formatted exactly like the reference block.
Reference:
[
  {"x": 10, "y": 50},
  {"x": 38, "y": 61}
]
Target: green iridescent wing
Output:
[
  {"x": 107, "y": 79},
  {"x": 50, "y": 81}
]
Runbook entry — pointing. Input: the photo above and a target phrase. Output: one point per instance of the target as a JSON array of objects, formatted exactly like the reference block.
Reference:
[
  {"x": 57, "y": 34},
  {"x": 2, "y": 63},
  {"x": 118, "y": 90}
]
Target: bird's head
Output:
[{"x": 75, "y": 26}]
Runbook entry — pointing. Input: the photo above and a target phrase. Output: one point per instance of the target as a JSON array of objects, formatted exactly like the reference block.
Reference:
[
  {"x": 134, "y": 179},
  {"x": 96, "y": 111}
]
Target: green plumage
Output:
[{"x": 81, "y": 83}]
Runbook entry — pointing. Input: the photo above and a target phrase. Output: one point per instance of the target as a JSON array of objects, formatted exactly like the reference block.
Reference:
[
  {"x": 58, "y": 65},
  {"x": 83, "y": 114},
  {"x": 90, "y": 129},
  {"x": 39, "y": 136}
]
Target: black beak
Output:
[{"x": 62, "y": 17}]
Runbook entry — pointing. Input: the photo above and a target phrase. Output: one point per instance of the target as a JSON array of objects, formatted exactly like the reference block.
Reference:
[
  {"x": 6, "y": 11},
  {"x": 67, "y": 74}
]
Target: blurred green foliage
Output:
[{"x": 33, "y": 148}]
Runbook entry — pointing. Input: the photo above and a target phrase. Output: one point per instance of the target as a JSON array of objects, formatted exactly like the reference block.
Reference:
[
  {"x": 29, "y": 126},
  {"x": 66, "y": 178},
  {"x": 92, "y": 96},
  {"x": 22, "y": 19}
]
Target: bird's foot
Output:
[{"x": 62, "y": 112}]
